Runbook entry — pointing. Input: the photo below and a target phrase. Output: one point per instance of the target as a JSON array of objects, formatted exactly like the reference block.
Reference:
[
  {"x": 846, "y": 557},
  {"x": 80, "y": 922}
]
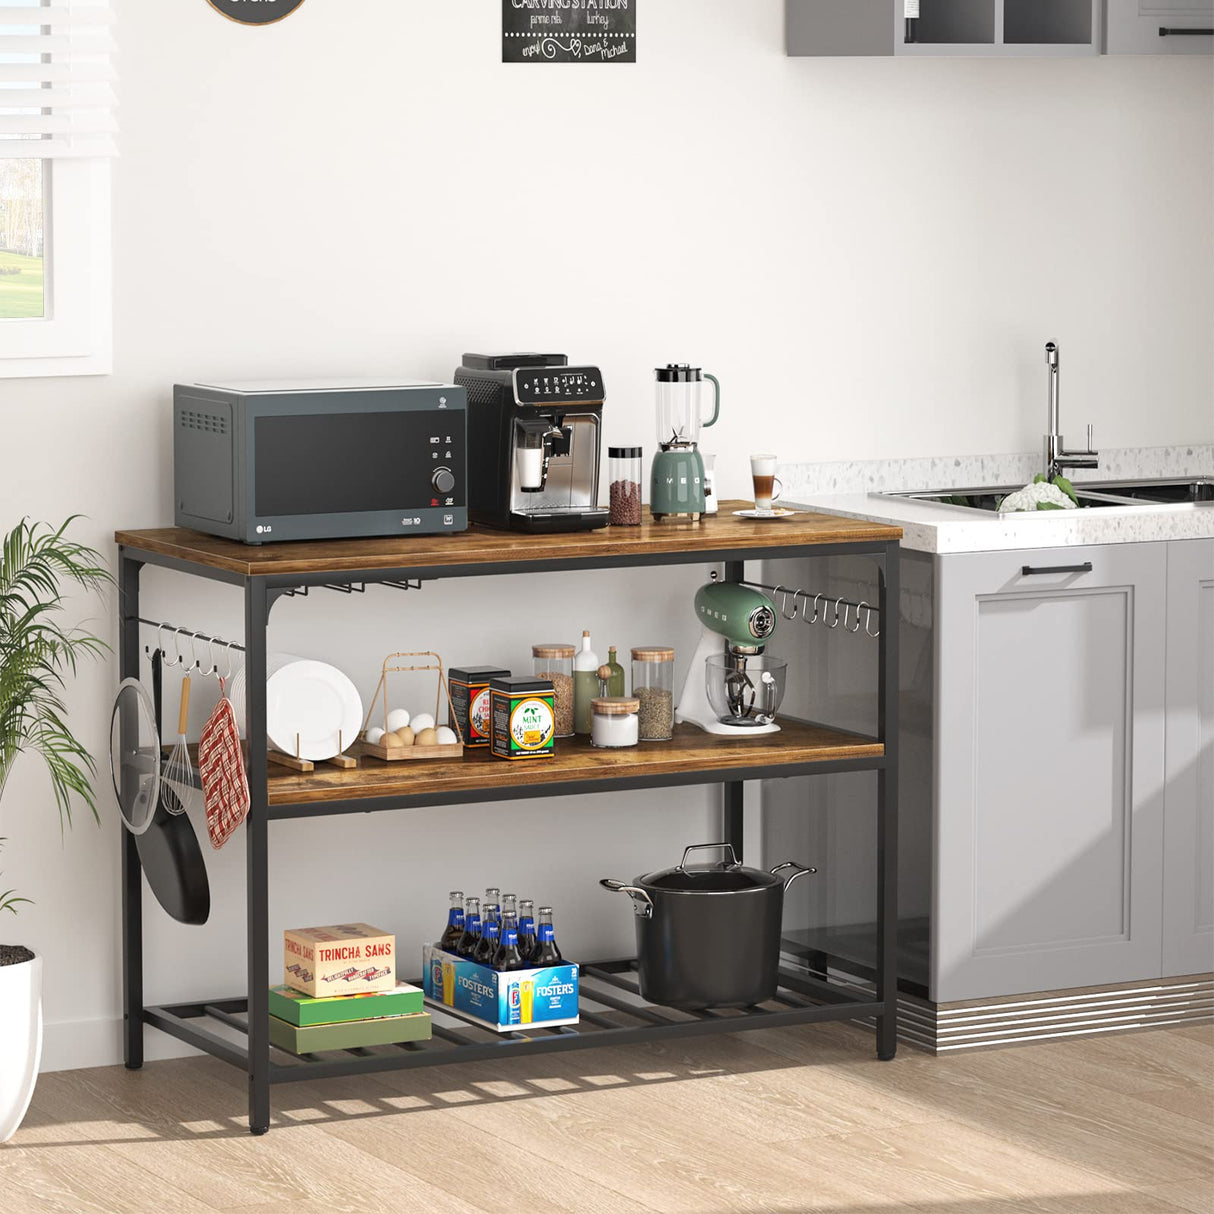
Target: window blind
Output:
[{"x": 56, "y": 74}]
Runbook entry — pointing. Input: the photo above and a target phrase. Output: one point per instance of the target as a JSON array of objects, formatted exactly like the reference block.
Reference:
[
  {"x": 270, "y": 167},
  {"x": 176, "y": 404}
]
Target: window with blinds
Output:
[
  {"x": 56, "y": 136},
  {"x": 56, "y": 96}
]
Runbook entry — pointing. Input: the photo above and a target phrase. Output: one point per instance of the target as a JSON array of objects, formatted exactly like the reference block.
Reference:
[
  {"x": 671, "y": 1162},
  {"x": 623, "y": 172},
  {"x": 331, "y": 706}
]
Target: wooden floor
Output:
[{"x": 779, "y": 1120}]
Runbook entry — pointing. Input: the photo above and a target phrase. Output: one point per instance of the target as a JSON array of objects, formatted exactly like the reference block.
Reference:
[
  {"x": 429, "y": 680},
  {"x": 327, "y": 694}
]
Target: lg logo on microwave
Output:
[{"x": 255, "y": 12}]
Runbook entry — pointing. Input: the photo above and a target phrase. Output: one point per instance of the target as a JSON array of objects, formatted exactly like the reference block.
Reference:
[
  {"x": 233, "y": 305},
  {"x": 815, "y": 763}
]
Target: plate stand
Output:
[{"x": 295, "y": 763}]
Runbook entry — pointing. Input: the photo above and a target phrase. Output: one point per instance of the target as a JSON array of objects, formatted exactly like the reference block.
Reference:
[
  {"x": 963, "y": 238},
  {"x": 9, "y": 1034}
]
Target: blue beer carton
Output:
[{"x": 544, "y": 998}]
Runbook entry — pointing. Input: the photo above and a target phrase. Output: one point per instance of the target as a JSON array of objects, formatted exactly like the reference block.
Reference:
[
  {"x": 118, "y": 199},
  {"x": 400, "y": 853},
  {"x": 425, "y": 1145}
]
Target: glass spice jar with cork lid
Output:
[
  {"x": 614, "y": 723},
  {"x": 554, "y": 661},
  {"x": 653, "y": 687}
]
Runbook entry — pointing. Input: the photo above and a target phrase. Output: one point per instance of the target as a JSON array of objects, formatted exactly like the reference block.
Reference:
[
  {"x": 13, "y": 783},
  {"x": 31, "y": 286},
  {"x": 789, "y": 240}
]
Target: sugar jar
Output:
[{"x": 614, "y": 722}]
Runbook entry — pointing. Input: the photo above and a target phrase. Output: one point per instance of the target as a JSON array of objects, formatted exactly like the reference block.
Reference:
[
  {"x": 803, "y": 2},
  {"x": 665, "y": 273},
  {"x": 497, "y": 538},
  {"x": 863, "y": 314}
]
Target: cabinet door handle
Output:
[
  {"x": 1171, "y": 31},
  {"x": 1040, "y": 570}
]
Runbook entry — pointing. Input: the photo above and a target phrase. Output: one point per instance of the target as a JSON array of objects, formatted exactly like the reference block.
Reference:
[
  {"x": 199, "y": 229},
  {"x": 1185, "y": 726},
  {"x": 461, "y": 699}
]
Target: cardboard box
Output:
[
  {"x": 391, "y": 1030},
  {"x": 349, "y": 959},
  {"x": 505, "y": 1003},
  {"x": 304, "y": 1010}
]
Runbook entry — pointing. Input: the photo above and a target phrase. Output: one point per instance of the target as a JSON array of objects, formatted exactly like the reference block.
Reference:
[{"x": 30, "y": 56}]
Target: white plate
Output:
[
  {"x": 779, "y": 512},
  {"x": 313, "y": 711}
]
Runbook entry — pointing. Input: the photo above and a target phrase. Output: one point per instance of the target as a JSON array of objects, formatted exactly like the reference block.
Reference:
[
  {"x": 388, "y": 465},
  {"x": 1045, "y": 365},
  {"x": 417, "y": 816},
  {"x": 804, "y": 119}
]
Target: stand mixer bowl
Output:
[{"x": 745, "y": 691}]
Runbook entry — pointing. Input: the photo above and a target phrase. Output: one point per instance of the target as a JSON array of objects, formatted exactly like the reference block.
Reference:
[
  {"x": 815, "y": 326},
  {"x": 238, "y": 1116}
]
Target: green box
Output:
[
  {"x": 304, "y": 1011},
  {"x": 524, "y": 718},
  {"x": 350, "y": 1035}
]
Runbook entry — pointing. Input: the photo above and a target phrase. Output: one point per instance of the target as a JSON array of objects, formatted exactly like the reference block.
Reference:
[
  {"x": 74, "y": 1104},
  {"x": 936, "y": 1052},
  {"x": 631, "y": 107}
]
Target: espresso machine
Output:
[
  {"x": 676, "y": 489},
  {"x": 733, "y": 689},
  {"x": 534, "y": 440}
]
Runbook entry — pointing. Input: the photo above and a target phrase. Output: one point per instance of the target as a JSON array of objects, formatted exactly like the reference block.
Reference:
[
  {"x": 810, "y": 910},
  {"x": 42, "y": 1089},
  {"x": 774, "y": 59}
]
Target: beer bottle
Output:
[
  {"x": 489, "y": 942},
  {"x": 486, "y": 947},
  {"x": 526, "y": 928},
  {"x": 546, "y": 952},
  {"x": 493, "y": 897},
  {"x": 472, "y": 929},
  {"x": 454, "y": 932},
  {"x": 509, "y": 907},
  {"x": 509, "y": 920},
  {"x": 508, "y": 956}
]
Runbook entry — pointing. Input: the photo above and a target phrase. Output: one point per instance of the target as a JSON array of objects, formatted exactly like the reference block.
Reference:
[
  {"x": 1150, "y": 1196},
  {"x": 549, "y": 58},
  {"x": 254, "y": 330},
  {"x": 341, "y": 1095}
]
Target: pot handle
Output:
[
  {"x": 801, "y": 871},
  {"x": 643, "y": 903},
  {"x": 733, "y": 856}
]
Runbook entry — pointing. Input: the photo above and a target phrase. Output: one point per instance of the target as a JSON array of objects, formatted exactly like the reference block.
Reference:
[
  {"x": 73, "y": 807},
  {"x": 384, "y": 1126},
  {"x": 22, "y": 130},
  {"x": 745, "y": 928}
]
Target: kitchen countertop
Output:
[
  {"x": 935, "y": 528},
  {"x": 857, "y": 491}
]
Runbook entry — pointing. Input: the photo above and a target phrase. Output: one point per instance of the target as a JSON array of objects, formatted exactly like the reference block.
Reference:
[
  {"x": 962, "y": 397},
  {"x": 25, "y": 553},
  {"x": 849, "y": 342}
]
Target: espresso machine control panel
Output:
[{"x": 553, "y": 386}]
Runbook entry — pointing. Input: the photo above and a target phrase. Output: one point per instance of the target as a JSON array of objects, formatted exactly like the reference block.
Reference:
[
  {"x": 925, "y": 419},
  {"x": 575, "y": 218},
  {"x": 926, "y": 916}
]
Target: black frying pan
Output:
[{"x": 168, "y": 849}]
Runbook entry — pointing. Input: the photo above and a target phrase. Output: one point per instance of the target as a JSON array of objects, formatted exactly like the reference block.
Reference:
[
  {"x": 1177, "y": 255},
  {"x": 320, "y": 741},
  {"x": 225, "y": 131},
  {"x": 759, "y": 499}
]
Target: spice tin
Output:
[
  {"x": 470, "y": 702},
  {"x": 524, "y": 717}
]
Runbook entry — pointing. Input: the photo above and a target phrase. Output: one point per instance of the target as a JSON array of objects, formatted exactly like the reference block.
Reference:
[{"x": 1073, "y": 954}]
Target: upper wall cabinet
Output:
[
  {"x": 1160, "y": 27},
  {"x": 998, "y": 27}
]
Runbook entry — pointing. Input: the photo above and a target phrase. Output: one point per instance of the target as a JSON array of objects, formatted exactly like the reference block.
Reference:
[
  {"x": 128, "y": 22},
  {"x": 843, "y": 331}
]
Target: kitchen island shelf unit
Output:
[{"x": 237, "y": 1030}]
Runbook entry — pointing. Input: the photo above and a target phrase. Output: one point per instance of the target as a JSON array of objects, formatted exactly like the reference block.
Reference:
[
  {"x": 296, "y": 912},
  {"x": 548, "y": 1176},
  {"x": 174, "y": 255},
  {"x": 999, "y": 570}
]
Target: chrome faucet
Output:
[{"x": 1057, "y": 457}]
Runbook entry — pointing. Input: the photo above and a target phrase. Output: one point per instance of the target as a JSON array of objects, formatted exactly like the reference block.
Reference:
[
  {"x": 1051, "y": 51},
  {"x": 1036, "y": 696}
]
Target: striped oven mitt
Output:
[{"x": 225, "y": 786}]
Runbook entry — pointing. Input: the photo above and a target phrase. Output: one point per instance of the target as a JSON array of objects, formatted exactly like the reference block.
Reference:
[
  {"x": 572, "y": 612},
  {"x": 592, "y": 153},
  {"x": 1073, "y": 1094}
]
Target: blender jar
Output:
[
  {"x": 679, "y": 389},
  {"x": 625, "y": 468},
  {"x": 653, "y": 688}
]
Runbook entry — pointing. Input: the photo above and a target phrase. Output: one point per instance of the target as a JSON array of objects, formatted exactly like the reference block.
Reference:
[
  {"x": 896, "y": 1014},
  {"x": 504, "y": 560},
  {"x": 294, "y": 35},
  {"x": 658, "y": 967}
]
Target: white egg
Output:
[
  {"x": 375, "y": 735},
  {"x": 398, "y": 718},
  {"x": 423, "y": 720},
  {"x": 446, "y": 736}
]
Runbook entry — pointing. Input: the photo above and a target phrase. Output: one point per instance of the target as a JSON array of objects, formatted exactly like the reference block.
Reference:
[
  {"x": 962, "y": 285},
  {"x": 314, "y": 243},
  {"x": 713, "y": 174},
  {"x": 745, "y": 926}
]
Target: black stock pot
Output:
[{"x": 709, "y": 936}]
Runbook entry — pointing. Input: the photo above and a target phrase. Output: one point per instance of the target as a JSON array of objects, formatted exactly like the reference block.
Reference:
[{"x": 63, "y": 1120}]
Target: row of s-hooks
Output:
[
  {"x": 195, "y": 640},
  {"x": 827, "y": 609}
]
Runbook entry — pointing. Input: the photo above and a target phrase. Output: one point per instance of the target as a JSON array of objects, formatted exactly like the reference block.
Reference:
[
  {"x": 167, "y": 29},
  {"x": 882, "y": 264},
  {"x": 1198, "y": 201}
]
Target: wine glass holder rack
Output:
[{"x": 612, "y": 1010}]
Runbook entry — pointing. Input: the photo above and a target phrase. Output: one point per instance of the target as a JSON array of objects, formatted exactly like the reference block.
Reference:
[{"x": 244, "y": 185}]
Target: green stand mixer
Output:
[
  {"x": 676, "y": 490},
  {"x": 732, "y": 688}
]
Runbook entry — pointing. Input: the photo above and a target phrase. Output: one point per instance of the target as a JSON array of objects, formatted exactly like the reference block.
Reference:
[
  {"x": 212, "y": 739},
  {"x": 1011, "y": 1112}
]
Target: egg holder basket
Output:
[{"x": 405, "y": 754}]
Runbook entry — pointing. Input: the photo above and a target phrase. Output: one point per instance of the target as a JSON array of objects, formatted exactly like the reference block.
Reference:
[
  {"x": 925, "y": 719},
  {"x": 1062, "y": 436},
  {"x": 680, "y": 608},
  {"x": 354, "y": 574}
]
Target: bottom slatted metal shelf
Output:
[{"x": 611, "y": 1009}]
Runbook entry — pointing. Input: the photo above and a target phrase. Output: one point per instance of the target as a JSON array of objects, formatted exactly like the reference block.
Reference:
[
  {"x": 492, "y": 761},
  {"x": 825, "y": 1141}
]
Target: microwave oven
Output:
[{"x": 310, "y": 460}]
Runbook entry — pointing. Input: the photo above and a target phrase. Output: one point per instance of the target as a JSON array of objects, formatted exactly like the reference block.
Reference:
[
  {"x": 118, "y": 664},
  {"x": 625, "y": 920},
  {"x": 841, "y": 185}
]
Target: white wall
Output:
[{"x": 869, "y": 253}]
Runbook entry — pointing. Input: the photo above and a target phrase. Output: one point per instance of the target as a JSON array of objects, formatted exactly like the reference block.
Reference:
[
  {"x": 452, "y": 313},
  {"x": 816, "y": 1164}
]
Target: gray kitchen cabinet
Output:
[
  {"x": 1050, "y": 769},
  {"x": 1188, "y": 886},
  {"x": 1160, "y": 27},
  {"x": 945, "y": 27}
]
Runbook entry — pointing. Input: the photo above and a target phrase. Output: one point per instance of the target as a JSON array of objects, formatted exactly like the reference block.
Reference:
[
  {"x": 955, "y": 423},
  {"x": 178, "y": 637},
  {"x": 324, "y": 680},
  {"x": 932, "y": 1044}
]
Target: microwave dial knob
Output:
[{"x": 443, "y": 480}]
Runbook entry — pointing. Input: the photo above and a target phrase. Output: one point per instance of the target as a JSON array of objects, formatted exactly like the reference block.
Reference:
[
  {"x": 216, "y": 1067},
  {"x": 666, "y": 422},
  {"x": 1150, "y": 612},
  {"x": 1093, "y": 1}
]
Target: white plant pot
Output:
[{"x": 20, "y": 1041}]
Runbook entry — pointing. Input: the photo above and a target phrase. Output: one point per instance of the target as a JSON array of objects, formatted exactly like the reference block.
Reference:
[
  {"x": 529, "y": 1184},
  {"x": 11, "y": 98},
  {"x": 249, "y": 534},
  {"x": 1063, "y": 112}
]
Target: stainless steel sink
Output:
[
  {"x": 1191, "y": 489},
  {"x": 1092, "y": 495}
]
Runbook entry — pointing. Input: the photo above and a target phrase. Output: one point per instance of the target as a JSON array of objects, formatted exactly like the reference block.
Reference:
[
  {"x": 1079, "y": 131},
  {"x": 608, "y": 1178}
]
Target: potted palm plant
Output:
[{"x": 38, "y": 653}]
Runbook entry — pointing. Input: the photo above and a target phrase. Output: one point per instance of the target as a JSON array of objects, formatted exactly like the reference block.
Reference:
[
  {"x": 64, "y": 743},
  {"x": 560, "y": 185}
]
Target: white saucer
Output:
[{"x": 768, "y": 515}]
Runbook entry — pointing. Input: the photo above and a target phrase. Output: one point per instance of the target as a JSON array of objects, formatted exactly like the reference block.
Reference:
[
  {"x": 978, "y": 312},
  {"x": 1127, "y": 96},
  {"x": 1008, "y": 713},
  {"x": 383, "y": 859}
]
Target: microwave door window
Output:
[{"x": 343, "y": 463}]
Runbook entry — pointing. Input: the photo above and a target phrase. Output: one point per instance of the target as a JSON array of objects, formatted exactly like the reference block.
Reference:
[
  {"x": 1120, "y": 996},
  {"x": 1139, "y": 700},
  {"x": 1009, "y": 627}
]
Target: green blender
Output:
[{"x": 677, "y": 487}]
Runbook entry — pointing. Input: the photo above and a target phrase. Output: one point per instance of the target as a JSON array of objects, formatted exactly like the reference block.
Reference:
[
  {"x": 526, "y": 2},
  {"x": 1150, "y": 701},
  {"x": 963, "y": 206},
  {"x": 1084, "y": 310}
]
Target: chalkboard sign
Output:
[{"x": 569, "y": 31}]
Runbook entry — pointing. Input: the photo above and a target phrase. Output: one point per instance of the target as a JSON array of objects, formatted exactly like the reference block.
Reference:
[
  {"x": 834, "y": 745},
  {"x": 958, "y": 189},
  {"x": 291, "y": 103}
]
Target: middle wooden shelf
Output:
[{"x": 692, "y": 757}]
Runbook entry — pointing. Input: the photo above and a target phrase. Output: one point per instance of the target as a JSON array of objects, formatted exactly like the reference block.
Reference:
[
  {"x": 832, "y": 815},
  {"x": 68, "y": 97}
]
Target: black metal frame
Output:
[{"x": 801, "y": 998}]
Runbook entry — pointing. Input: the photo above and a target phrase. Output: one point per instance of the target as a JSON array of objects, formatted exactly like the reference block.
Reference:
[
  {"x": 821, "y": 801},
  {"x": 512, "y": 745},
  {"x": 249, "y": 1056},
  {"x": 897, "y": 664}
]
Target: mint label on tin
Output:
[
  {"x": 255, "y": 12},
  {"x": 569, "y": 31}
]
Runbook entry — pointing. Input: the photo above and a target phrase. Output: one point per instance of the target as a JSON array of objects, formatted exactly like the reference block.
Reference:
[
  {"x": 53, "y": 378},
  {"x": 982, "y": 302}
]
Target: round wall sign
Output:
[{"x": 255, "y": 12}]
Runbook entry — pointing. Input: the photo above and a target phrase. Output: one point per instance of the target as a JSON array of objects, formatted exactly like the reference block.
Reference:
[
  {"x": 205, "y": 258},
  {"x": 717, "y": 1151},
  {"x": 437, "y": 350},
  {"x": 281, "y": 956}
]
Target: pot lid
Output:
[{"x": 723, "y": 876}]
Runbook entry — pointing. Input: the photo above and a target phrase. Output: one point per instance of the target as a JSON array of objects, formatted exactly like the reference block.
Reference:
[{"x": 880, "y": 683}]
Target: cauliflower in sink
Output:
[{"x": 1041, "y": 495}]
